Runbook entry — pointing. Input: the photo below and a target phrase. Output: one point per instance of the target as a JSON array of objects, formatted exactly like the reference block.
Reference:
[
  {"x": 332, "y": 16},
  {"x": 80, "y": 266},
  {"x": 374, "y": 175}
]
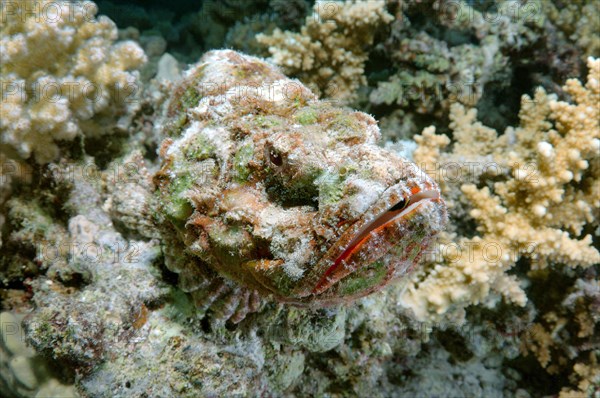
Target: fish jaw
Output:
[{"x": 375, "y": 256}]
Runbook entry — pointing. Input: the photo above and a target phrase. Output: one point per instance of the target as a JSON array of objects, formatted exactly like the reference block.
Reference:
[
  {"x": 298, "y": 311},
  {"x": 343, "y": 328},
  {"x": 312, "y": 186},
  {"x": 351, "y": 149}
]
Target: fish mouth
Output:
[
  {"x": 394, "y": 212},
  {"x": 404, "y": 221},
  {"x": 400, "y": 209}
]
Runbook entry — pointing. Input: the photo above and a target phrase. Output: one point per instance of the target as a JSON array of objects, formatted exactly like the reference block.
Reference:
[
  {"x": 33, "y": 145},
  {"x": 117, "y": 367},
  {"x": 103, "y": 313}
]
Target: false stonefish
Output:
[{"x": 267, "y": 192}]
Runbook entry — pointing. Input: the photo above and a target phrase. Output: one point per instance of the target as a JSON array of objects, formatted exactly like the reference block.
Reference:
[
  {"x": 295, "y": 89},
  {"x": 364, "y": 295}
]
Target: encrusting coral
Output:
[
  {"x": 540, "y": 189},
  {"x": 23, "y": 372},
  {"x": 330, "y": 52},
  {"x": 62, "y": 75}
]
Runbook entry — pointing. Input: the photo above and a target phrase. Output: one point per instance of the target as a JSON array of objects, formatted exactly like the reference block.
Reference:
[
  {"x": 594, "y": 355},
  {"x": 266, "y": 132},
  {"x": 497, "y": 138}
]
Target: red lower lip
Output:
[{"x": 380, "y": 226}]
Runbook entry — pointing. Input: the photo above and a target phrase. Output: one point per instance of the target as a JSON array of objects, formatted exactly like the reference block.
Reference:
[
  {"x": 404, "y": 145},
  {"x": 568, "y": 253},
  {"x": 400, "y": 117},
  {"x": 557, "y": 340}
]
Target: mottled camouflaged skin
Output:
[{"x": 263, "y": 186}]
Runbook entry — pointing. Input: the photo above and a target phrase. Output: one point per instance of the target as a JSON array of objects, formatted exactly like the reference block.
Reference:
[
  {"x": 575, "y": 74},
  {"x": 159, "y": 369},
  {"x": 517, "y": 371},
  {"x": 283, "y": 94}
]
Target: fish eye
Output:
[{"x": 275, "y": 157}]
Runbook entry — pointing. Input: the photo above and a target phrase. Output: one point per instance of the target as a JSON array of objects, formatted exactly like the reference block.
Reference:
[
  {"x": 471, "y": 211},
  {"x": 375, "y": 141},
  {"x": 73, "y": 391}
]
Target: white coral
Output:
[{"x": 61, "y": 71}]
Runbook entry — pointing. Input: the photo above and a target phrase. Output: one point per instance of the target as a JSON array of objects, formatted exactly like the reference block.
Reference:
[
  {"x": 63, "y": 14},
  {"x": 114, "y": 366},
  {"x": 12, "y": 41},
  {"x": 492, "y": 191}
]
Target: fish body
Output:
[{"x": 267, "y": 191}]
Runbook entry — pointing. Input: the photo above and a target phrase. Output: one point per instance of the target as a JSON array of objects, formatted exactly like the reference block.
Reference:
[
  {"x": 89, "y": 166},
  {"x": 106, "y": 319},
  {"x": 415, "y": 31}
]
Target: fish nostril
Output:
[{"x": 400, "y": 205}]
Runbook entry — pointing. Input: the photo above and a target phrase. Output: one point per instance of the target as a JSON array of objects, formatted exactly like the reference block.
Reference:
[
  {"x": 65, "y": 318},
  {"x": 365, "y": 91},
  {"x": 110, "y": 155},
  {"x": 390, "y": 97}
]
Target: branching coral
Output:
[
  {"x": 588, "y": 376},
  {"x": 563, "y": 337},
  {"x": 578, "y": 20},
  {"x": 461, "y": 50},
  {"x": 62, "y": 76},
  {"x": 529, "y": 197},
  {"x": 330, "y": 51},
  {"x": 531, "y": 192}
]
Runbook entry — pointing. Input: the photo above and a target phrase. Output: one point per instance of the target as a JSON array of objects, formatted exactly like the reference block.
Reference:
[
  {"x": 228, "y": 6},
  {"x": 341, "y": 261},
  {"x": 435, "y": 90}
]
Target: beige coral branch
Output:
[
  {"x": 330, "y": 51},
  {"x": 546, "y": 189}
]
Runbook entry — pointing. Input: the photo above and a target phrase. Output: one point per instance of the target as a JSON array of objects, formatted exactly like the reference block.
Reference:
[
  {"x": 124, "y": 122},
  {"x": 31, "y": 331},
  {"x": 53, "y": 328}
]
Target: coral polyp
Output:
[{"x": 265, "y": 191}]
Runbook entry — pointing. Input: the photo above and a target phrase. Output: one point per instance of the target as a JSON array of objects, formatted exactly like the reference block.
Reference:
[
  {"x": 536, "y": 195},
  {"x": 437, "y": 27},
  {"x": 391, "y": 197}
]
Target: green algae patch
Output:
[
  {"x": 307, "y": 116},
  {"x": 346, "y": 127},
  {"x": 240, "y": 163},
  {"x": 178, "y": 207},
  {"x": 315, "y": 331},
  {"x": 176, "y": 127},
  {"x": 331, "y": 187},
  {"x": 190, "y": 98},
  {"x": 268, "y": 121},
  {"x": 200, "y": 149},
  {"x": 373, "y": 275}
]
